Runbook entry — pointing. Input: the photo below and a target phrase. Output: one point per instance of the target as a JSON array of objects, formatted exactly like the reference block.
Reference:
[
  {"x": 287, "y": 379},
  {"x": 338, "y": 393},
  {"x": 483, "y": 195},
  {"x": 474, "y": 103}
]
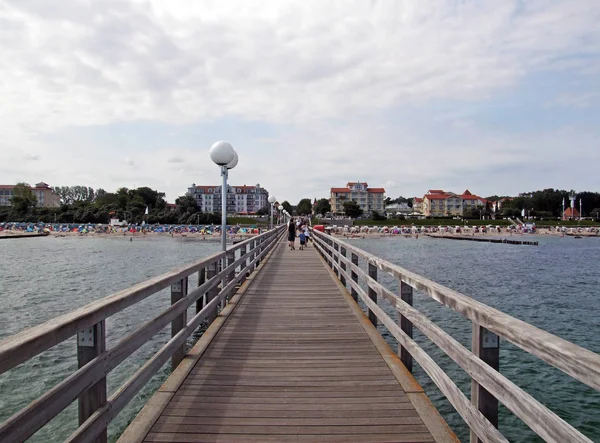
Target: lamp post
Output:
[
  {"x": 272, "y": 199},
  {"x": 223, "y": 154},
  {"x": 280, "y": 207}
]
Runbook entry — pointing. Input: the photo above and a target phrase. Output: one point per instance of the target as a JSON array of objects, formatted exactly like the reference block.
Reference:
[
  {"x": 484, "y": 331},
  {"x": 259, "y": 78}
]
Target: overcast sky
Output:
[{"x": 499, "y": 97}]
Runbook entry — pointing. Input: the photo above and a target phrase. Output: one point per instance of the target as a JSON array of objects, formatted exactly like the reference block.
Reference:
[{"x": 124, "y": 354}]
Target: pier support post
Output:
[
  {"x": 343, "y": 266},
  {"x": 178, "y": 291},
  {"x": 201, "y": 280},
  {"x": 372, "y": 293},
  {"x": 485, "y": 345},
  {"x": 91, "y": 342},
  {"x": 354, "y": 276},
  {"x": 406, "y": 294}
]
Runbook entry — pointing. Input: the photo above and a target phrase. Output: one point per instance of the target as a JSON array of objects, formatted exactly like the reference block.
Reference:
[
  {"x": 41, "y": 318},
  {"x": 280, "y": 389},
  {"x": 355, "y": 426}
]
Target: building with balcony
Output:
[
  {"x": 439, "y": 203},
  {"x": 240, "y": 199},
  {"x": 46, "y": 198},
  {"x": 369, "y": 199}
]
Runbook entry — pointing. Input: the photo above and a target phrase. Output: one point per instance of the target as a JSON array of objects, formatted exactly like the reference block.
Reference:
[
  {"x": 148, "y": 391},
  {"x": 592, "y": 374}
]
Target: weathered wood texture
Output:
[
  {"x": 88, "y": 383},
  {"x": 488, "y": 385},
  {"x": 291, "y": 363}
]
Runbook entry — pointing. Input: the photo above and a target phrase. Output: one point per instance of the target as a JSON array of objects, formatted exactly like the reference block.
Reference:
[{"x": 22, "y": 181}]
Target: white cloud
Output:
[{"x": 327, "y": 70}]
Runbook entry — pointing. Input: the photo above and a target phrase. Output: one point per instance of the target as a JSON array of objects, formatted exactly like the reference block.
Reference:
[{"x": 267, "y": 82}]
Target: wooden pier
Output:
[
  {"x": 294, "y": 360},
  {"x": 290, "y": 355}
]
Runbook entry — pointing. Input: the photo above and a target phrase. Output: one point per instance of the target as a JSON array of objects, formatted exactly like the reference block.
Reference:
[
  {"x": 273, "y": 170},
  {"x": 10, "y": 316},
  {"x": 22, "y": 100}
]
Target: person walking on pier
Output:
[{"x": 292, "y": 233}]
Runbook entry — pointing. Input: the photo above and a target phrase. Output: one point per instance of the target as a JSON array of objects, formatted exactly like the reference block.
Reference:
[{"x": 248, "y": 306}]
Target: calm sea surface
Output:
[{"x": 555, "y": 286}]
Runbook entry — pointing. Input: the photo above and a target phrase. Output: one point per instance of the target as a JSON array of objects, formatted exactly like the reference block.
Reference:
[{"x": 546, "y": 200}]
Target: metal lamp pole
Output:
[
  {"x": 272, "y": 199},
  {"x": 280, "y": 213},
  {"x": 223, "y": 154}
]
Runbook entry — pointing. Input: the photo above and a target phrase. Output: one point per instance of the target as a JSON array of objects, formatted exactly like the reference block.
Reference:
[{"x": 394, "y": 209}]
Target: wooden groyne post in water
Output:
[{"x": 485, "y": 239}]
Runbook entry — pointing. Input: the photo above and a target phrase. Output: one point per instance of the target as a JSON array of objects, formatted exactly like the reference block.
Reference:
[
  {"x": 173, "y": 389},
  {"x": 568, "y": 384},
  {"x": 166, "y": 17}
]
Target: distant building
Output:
[
  {"x": 439, "y": 203},
  {"x": 369, "y": 199},
  {"x": 46, "y": 198},
  {"x": 240, "y": 199},
  {"x": 398, "y": 209},
  {"x": 571, "y": 213},
  {"x": 418, "y": 205}
]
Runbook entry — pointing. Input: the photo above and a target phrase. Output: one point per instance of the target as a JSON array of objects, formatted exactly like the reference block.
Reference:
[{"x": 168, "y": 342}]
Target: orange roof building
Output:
[{"x": 45, "y": 195}]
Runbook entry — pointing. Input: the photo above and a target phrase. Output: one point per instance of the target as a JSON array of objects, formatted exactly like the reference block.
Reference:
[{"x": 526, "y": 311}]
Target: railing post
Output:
[
  {"x": 231, "y": 276},
  {"x": 243, "y": 264},
  {"x": 372, "y": 293},
  {"x": 212, "y": 293},
  {"x": 91, "y": 342},
  {"x": 336, "y": 259},
  {"x": 485, "y": 345},
  {"x": 201, "y": 280},
  {"x": 178, "y": 291},
  {"x": 252, "y": 247},
  {"x": 354, "y": 277},
  {"x": 406, "y": 294},
  {"x": 343, "y": 266}
]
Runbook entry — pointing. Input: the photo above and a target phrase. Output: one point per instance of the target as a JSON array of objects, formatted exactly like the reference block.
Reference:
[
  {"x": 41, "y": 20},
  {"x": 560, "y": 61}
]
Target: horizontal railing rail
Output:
[
  {"x": 481, "y": 363},
  {"x": 218, "y": 277}
]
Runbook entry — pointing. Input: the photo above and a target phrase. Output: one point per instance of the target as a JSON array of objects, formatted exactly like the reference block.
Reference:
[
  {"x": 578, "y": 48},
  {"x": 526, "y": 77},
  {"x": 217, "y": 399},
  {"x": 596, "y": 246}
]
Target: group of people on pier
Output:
[{"x": 298, "y": 228}]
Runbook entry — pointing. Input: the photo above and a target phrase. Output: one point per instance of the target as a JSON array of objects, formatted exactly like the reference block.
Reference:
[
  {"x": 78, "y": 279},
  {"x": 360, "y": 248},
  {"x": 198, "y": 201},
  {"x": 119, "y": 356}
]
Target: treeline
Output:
[
  {"x": 547, "y": 203},
  {"x": 81, "y": 204}
]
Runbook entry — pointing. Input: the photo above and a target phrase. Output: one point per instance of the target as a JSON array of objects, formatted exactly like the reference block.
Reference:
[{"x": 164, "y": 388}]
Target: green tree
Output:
[
  {"x": 286, "y": 205},
  {"x": 352, "y": 209},
  {"x": 377, "y": 216},
  {"x": 323, "y": 206},
  {"x": 23, "y": 198},
  {"x": 265, "y": 210},
  {"x": 304, "y": 207}
]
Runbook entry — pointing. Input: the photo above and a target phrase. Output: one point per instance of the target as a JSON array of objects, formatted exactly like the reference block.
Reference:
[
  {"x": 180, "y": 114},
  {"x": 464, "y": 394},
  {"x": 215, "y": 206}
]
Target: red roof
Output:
[
  {"x": 418, "y": 200},
  {"x": 436, "y": 196},
  {"x": 470, "y": 196},
  {"x": 356, "y": 183},
  {"x": 213, "y": 187},
  {"x": 373, "y": 190},
  {"x": 435, "y": 191},
  {"x": 466, "y": 192},
  {"x": 568, "y": 212},
  {"x": 7, "y": 186}
]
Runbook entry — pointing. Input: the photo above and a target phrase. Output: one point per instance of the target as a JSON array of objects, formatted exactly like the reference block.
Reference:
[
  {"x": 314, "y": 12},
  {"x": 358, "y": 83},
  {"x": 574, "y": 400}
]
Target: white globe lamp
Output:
[
  {"x": 222, "y": 153},
  {"x": 272, "y": 199},
  {"x": 233, "y": 163}
]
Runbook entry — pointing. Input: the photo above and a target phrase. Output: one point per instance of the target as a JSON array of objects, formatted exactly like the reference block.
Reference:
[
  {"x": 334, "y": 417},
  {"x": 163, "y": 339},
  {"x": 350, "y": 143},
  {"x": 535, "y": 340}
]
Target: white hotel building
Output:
[{"x": 240, "y": 199}]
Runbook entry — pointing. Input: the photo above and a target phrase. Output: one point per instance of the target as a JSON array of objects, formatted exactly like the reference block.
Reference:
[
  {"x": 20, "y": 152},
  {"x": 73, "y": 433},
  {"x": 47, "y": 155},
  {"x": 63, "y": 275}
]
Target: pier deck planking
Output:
[{"x": 292, "y": 363}]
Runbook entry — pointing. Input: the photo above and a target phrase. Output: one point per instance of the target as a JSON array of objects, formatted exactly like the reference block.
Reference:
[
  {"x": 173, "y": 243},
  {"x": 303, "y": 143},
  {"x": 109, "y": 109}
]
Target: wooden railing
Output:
[
  {"x": 481, "y": 363},
  {"x": 218, "y": 276}
]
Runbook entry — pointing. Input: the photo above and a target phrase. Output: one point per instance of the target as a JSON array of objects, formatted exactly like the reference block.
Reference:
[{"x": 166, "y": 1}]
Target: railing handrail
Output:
[
  {"x": 28, "y": 420},
  {"x": 537, "y": 416},
  {"x": 574, "y": 360},
  {"x": 28, "y": 343}
]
